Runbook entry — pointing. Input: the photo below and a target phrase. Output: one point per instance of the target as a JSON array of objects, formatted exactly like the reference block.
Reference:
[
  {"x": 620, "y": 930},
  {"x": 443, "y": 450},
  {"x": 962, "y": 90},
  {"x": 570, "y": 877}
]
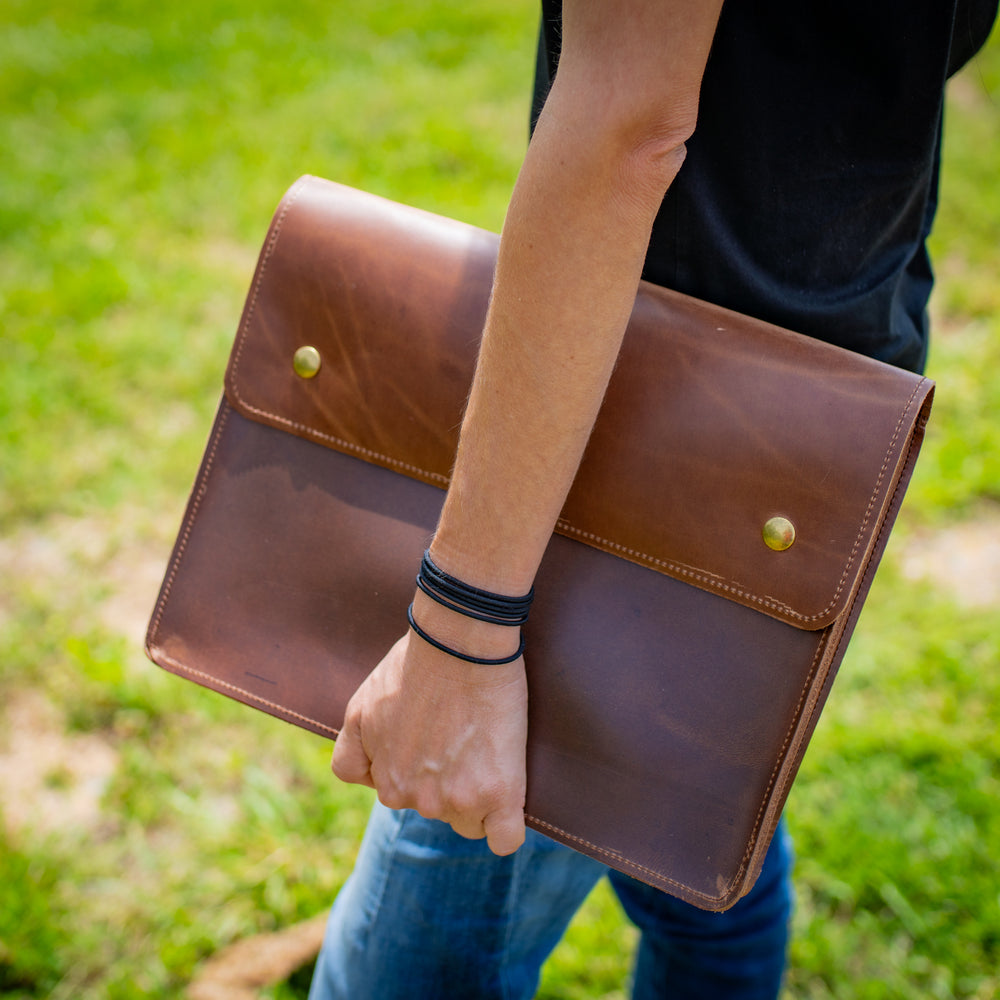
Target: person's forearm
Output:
[
  {"x": 571, "y": 255},
  {"x": 566, "y": 278}
]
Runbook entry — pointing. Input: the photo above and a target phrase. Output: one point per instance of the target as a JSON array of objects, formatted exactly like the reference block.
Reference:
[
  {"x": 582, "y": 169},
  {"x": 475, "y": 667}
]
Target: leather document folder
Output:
[{"x": 693, "y": 605}]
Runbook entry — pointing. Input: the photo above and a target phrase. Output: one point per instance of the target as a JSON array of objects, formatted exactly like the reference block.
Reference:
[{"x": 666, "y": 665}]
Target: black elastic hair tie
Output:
[
  {"x": 473, "y": 602},
  {"x": 454, "y": 652}
]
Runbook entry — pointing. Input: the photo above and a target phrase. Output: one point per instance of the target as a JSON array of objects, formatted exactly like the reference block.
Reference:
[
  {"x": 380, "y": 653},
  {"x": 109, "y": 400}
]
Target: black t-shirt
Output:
[{"x": 810, "y": 183}]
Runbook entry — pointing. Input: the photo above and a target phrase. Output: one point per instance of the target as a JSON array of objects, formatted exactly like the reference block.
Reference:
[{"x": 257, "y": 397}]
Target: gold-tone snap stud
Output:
[
  {"x": 306, "y": 362},
  {"x": 779, "y": 533}
]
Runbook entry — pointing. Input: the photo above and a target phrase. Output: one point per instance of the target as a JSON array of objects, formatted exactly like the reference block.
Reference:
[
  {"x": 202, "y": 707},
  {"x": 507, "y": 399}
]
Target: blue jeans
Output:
[{"x": 427, "y": 914}]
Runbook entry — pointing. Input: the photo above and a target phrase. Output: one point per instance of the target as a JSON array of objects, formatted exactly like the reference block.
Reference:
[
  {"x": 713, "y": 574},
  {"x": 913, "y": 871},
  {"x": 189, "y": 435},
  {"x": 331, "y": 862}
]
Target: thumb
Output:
[
  {"x": 350, "y": 762},
  {"x": 504, "y": 830}
]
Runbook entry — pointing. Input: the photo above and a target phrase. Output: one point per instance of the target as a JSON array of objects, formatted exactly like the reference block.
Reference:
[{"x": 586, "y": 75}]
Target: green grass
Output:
[{"x": 144, "y": 150}]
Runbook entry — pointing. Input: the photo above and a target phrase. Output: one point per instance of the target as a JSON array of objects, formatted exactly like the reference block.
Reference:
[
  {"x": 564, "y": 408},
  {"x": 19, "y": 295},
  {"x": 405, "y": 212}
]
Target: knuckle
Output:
[
  {"x": 469, "y": 830},
  {"x": 427, "y": 802},
  {"x": 391, "y": 795},
  {"x": 391, "y": 799},
  {"x": 500, "y": 794},
  {"x": 463, "y": 800}
]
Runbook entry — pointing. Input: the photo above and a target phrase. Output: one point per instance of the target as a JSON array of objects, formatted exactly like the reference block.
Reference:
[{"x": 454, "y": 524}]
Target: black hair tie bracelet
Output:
[
  {"x": 472, "y": 602},
  {"x": 454, "y": 652}
]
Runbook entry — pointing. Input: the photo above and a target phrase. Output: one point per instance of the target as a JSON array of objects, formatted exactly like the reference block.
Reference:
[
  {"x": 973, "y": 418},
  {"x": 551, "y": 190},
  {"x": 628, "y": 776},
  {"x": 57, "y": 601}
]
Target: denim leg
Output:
[
  {"x": 691, "y": 954},
  {"x": 429, "y": 914}
]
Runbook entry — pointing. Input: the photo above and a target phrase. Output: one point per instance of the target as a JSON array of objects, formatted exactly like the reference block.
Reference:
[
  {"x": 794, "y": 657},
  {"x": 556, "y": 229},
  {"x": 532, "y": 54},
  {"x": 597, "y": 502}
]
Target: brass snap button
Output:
[
  {"x": 779, "y": 534},
  {"x": 306, "y": 362}
]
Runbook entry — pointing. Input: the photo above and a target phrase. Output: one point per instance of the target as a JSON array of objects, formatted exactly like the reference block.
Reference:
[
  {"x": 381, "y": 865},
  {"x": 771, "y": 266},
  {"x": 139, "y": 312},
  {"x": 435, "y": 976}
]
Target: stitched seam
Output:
[
  {"x": 241, "y": 341},
  {"x": 882, "y": 529},
  {"x": 241, "y": 338},
  {"x": 617, "y": 858},
  {"x": 679, "y": 569},
  {"x": 780, "y": 761},
  {"x": 346, "y": 445},
  {"x": 259, "y": 279},
  {"x": 216, "y": 682},
  {"x": 201, "y": 490}
]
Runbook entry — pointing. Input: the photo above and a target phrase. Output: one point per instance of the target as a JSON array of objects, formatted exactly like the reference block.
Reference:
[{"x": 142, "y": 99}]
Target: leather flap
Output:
[{"x": 713, "y": 423}]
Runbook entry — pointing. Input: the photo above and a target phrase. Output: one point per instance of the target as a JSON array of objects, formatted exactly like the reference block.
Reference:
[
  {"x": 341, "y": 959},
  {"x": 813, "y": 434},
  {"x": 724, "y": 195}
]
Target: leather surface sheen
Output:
[{"x": 677, "y": 666}]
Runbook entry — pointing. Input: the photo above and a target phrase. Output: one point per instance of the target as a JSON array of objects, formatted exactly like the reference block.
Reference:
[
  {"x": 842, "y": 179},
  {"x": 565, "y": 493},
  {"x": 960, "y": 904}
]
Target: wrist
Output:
[{"x": 492, "y": 568}]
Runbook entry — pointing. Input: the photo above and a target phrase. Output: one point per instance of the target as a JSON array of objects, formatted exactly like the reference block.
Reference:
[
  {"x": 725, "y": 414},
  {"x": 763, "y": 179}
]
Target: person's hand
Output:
[{"x": 447, "y": 738}]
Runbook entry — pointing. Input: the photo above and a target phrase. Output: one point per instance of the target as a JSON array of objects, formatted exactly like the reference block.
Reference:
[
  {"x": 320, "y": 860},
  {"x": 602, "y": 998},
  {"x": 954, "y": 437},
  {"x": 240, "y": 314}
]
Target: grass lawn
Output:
[{"x": 147, "y": 823}]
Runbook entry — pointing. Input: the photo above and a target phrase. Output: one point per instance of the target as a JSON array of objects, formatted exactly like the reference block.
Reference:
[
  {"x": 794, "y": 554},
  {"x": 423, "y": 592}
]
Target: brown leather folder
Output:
[{"x": 694, "y": 604}]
